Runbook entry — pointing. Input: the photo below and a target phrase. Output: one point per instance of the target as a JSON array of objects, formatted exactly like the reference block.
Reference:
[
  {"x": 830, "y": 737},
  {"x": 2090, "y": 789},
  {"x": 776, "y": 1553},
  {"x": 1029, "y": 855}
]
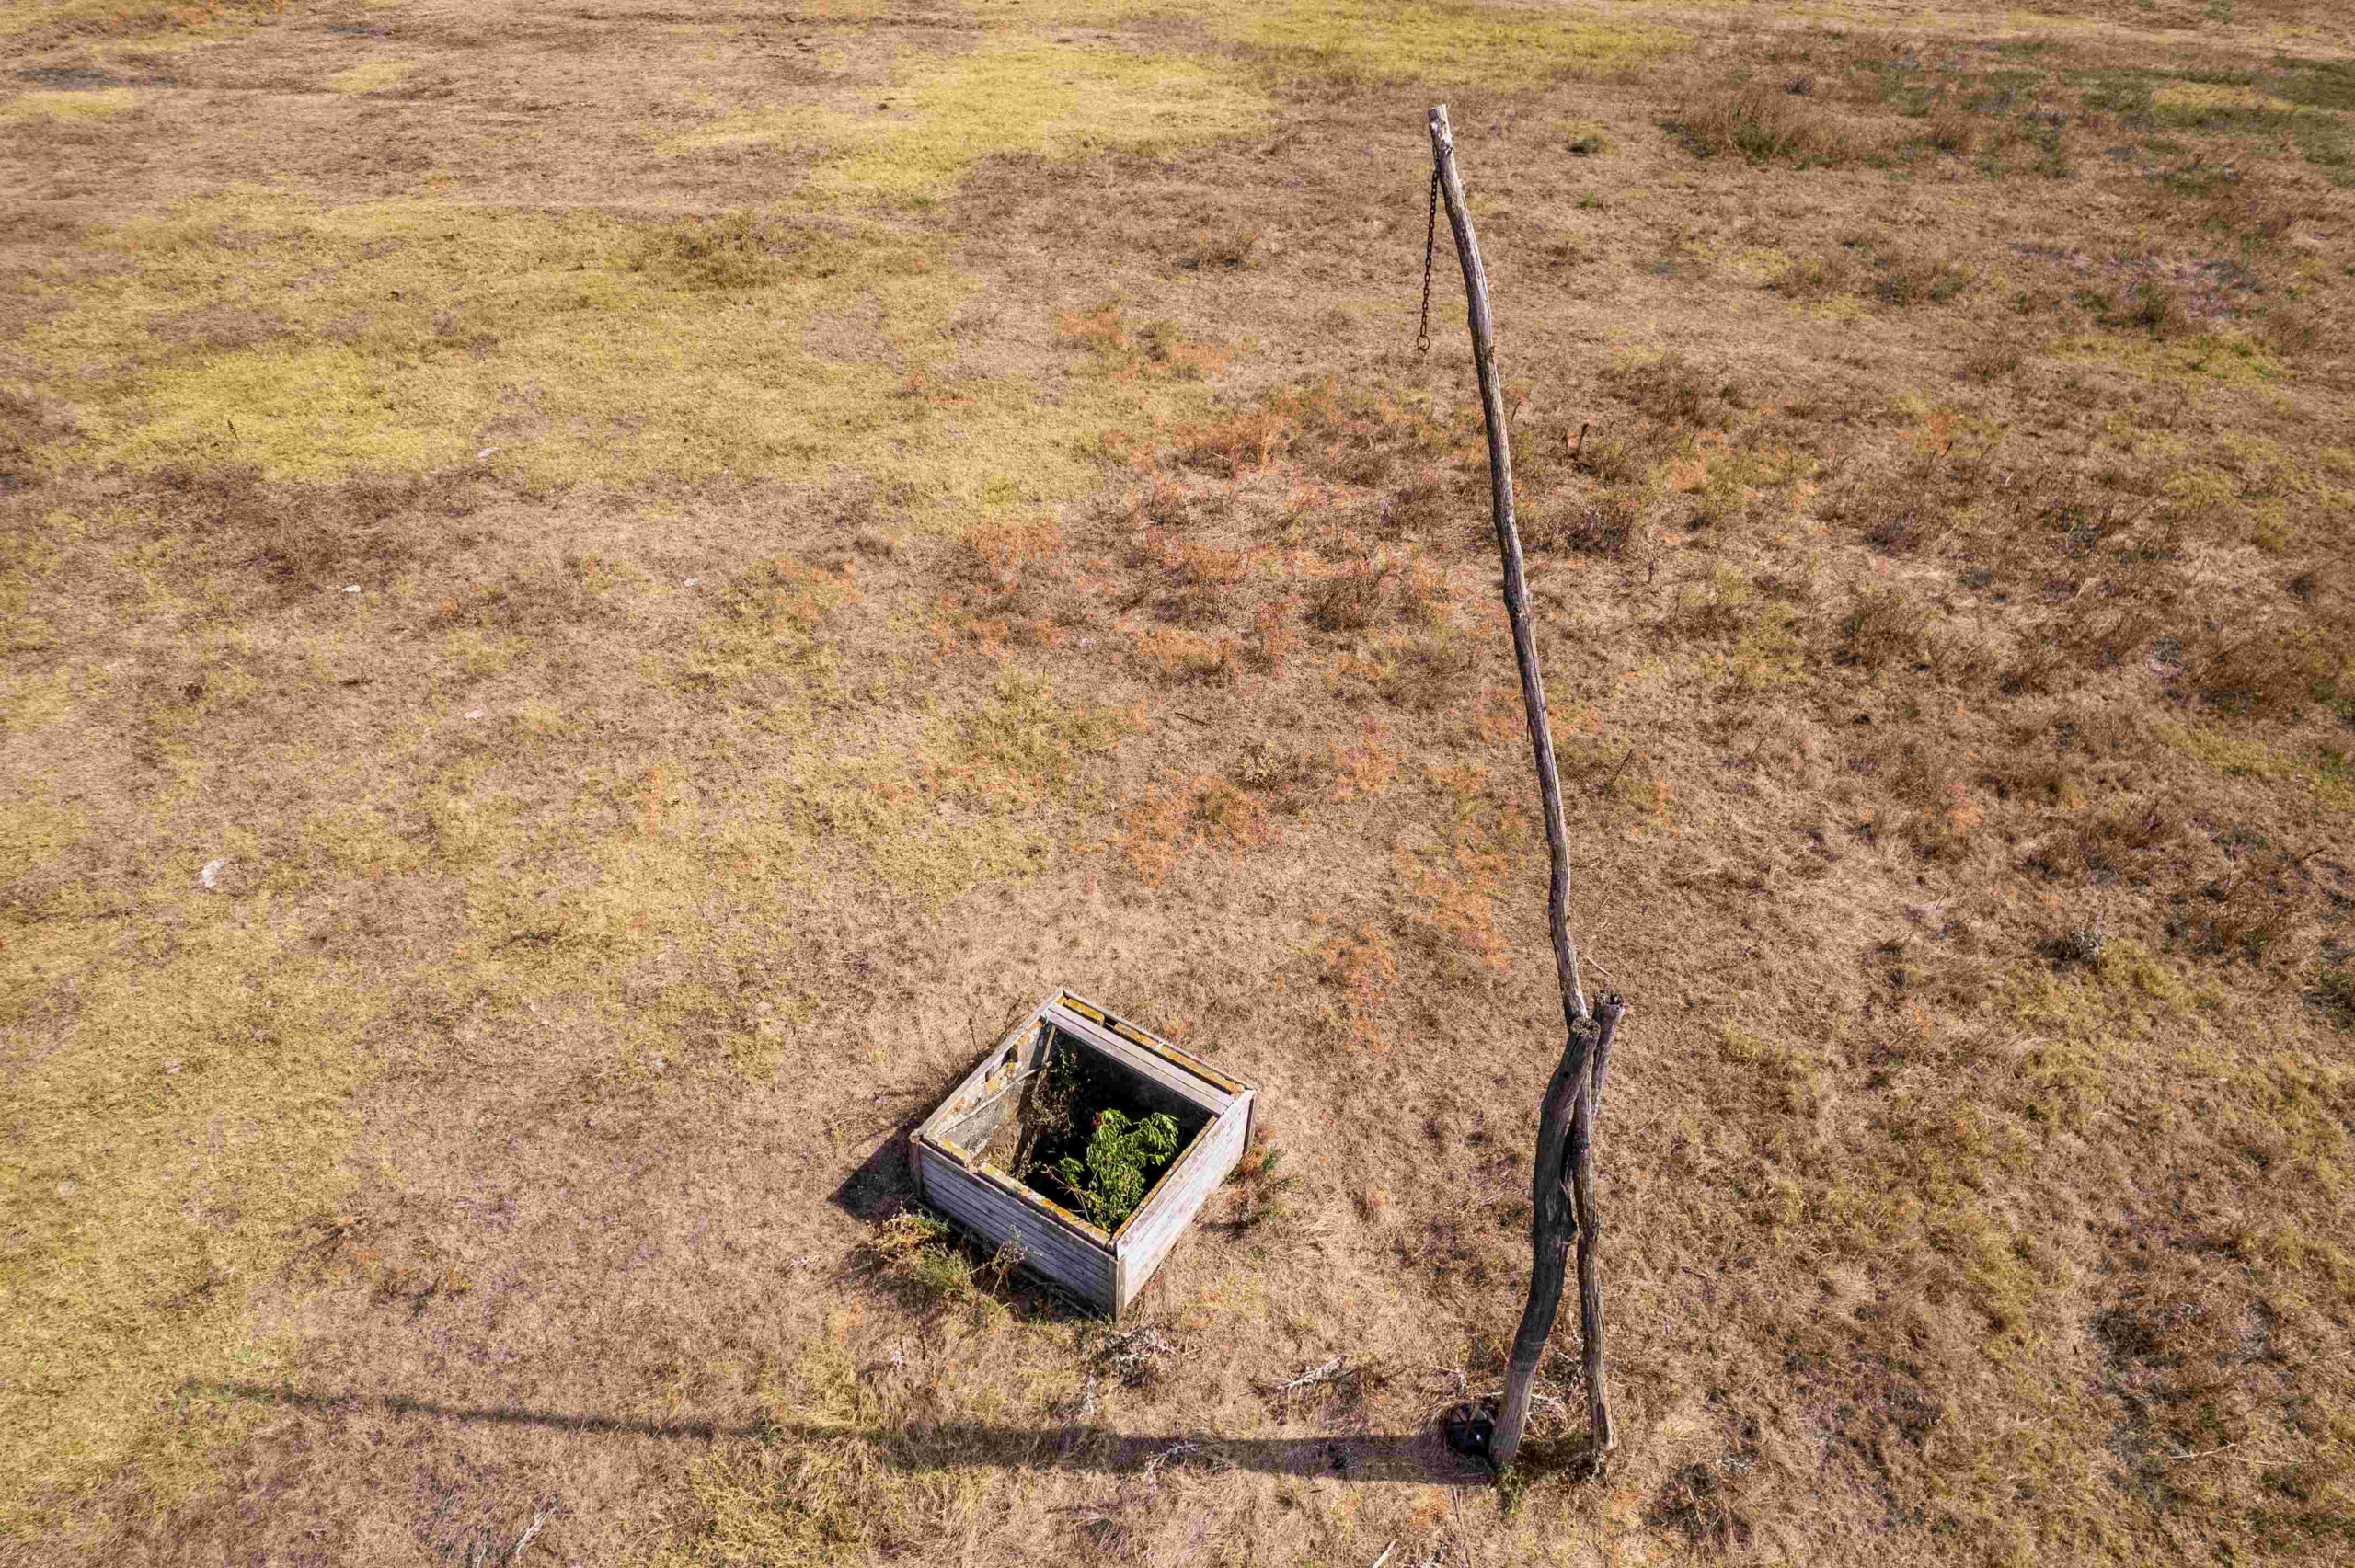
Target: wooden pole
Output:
[
  {"x": 1524, "y": 642},
  {"x": 1553, "y": 1225},
  {"x": 1604, "y": 1436},
  {"x": 1564, "y": 1210},
  {"x": 1562, "y": 1190}
]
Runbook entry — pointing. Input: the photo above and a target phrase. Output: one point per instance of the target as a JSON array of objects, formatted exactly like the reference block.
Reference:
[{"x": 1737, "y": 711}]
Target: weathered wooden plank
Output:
[
  {"x": 1156, "y": 1212},
  {"x": 973, "y": 1129},
  {"x": 973, "y": 1088},
  {"x": 957, "y": 1166},
  {"x": 967, "y": 1091},
  {"x": 1048, "y": 1249},
  {"x": 1169, "y": 1076},
  {"x": 1045, "y": 1249},
  {"x": 1142, "y": 1241},
  {"x": 1155, "y": 1043},
  {"x": 1179, "y": 1196},
  {"x": 997, "y": 1207}
]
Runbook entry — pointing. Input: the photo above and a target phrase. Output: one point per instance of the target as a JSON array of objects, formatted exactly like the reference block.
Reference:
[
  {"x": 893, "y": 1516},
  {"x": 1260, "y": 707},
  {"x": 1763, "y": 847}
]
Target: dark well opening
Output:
[{"x": 1055, "y": 1139}]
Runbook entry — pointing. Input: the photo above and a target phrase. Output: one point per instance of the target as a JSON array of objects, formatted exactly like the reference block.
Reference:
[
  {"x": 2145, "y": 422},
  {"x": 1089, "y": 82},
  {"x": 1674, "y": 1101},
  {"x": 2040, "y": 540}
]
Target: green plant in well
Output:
[{"x": 1123, "y": 1159}]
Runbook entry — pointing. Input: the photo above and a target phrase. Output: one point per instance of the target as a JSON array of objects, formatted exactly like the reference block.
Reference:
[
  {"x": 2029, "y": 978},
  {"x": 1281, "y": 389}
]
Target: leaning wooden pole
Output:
[
  {"x": 1563, "y": 1189},
  {"x": 1525, "y": 641}
]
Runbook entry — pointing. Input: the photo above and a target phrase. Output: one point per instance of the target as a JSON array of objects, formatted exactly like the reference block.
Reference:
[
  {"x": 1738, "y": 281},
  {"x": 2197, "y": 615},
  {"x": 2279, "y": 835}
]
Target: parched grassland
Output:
[{"x": 594, "y": 602}]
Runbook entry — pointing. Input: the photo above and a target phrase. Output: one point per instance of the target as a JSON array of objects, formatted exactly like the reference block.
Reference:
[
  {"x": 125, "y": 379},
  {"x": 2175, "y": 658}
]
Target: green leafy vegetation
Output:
[{"x": 1122, "y": 1160}]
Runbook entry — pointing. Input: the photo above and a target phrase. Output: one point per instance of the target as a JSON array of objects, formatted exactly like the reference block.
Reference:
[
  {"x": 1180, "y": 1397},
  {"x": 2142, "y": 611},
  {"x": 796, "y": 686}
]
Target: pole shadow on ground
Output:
[{"x": 1421, "y": 1457}]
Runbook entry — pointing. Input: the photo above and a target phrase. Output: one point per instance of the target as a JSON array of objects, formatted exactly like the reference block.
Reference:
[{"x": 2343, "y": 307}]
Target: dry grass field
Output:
[{"x": 595, "y": 596}]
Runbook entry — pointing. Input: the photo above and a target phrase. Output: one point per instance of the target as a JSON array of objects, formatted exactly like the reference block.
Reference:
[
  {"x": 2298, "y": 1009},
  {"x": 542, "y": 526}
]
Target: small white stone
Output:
[
  {"x": 210, "y": 877},
  {"x": 659, "y": 1064},
  {"x": 352, "y": 587},
  {"x": 691, "y": 582},
  {"x": 487, "y": 452}
]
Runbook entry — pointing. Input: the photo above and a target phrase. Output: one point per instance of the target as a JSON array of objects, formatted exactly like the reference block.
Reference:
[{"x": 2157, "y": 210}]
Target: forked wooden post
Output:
[{"x": 1563, "y": 1188}]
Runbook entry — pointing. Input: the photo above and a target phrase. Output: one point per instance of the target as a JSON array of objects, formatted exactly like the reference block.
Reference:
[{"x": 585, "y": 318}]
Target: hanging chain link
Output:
[{"x": 1430, "y": 233}]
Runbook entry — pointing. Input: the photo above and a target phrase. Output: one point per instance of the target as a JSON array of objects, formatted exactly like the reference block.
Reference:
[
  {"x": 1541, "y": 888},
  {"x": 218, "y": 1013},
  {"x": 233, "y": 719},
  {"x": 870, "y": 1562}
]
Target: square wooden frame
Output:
[{"x": 1100, "y": 1269}]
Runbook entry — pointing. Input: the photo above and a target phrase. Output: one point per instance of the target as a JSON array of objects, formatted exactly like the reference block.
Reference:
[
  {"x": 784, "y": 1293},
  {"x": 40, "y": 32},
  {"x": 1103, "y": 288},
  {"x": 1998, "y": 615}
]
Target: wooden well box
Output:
[{"x": 952, "y": 1151}]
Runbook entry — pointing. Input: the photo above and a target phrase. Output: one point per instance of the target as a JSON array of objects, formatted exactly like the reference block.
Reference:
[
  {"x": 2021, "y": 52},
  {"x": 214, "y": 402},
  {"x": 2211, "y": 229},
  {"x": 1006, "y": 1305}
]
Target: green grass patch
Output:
[
  {"x": 1015, "y": 94},
  {"x": 1489, "y": 46},
  {"x": 96, "y": 104},
  {"x": 2086, "y": 1022},
  {"x": 2316, "y": 83},
  {"x": 2223, "y": 358},
  {"x": 374, "y": 76},
  {"x": 429, "y": 335},
  {"x": 152, "y": 1161},
  {"x": 2301, "y": 102},
  {"x": 2330, "y": 778}
]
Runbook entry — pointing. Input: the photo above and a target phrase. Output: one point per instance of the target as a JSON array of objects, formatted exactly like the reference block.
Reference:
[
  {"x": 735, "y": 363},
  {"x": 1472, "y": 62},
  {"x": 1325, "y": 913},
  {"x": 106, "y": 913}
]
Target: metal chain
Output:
[{"x": 1430, "y": 233}]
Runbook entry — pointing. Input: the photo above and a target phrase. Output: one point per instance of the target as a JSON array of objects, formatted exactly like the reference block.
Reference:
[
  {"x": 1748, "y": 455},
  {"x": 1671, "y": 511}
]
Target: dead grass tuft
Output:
[
  {"x": 1357, "y": 970},
  {"x": 1273, "y": 638},
  {"x": 2149, "y": 305},
  {"x": 1951, "y": 130},
  {"x": 28, "y": 422},
  {"x": 1883, "y": 627},
  {"x": 1207, "y": 812},
  {"x": 1762, "y": 123},
  {"x": 1718, "y": 606},
  {"x": 2273, "y": 671},
  {"x": 1234, "y": 443},
  {"x": 2128, "y": 841},
  {"x": 2258, "y": 913},
  {"x": 1178, "y": 656},
  {"x": 1420, "y": 506},
  {"x": 1230, "y": 252},
  {"x": 1191, "y": 582},
  {"x": 1265, "y": 1184},
  {"x": 1424, "y": 672},
  {"x": 734, "y": 250},
  {"x": 533, "y": 601},
  {"x": 925, "y": 1259},
  {"x": 1151, "y": 348},
  {"x": 1607, "y": 521},
  {"x": 308, "y": 539},
  {"x": 1893, "y": 275},
  {"x": 2334, "y": 992},
  {"x": 1703, "y": 1501},
  {"x": 1356, "y": 597},
  {"x": 1006, "y": 577},
  {"x": 1674, "y": 391}
]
